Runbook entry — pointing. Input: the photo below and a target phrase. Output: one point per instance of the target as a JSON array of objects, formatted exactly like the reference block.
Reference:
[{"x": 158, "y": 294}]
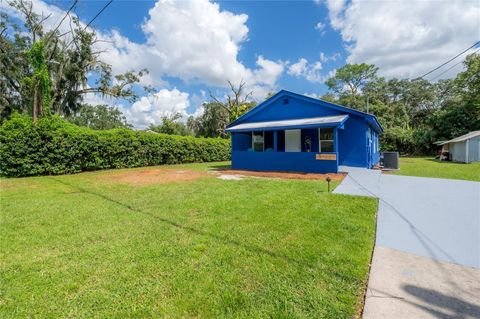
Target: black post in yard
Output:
[{"x": 328, "y": 183}]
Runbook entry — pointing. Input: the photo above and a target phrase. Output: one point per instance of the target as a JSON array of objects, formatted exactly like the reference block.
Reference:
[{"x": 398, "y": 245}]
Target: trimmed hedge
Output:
[{"x": 53, "y": 146}]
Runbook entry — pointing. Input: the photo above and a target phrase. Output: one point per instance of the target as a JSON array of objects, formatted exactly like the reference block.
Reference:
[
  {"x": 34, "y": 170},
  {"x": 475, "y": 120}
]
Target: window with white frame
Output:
[
  {"x": 258, "y": 141},
  {"x": 326, "y": 139}
]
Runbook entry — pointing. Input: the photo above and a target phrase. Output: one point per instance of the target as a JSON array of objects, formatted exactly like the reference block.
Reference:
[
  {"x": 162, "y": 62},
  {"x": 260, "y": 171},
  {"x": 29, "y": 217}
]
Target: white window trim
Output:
[
  {"x": 320, "y": 140},
  {"x": 297, "y": 146},
  {"x": 263, "y": 144}
]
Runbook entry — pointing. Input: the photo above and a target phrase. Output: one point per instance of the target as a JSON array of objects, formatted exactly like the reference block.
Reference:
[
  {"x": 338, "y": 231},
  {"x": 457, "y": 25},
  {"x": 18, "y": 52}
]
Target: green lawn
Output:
[
  {"x": 81, "y": 246},
  {"x": 430, "y": 167}
]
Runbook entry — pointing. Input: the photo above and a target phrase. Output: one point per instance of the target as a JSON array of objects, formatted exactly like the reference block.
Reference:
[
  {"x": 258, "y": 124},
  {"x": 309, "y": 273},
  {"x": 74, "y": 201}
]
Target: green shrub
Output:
[
  {"x": 408, "y": 141},
  {"x": 397, "y": 139},
  {"x": 53, "y": 146}
]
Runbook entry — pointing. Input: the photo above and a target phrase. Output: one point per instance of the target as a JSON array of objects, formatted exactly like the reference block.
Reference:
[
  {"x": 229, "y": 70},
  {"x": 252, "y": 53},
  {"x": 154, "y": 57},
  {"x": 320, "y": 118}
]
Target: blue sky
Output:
[
  {"x": 193, "y": 47},
  {"x": 279, "y": 30}
]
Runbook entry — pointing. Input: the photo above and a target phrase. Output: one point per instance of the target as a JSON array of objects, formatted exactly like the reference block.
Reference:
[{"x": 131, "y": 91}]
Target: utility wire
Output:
[
  {"x": 66, "y": 14},
  {"x": 452, "y": 67},
  {"x": 91, "y": 21},
  {"x": 438, "y": 67},
  {"x": 104, "y": 7}
]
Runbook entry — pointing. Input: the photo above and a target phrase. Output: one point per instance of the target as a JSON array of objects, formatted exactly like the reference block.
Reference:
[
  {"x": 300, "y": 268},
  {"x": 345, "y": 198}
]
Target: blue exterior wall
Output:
[
  {"x": 376, "y": 148},
  {"x": 352, "y": 142},
  {"x": 294, "y": 109},
  {"x": 355, "y": 139},
  {"x": 313, "y": 134},
  {"x": 282, "y": 162},
  {"x": 241, "y": 141},
  {"x": 281, "y": 141}
]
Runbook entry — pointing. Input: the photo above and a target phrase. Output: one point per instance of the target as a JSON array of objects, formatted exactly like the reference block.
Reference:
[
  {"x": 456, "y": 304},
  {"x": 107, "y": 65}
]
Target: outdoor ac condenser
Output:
[{"x": 390, "y": 160}]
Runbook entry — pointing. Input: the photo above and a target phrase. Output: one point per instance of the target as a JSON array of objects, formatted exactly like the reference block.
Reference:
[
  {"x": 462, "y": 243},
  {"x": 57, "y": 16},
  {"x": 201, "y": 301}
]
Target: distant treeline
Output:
[{"x": 45, "y": 73}]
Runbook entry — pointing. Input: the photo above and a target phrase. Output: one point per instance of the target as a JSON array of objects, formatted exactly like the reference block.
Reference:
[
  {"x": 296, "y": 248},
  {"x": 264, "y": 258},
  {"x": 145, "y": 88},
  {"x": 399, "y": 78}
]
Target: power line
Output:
[
  {"x": 451, "y": 67},
  {"x": 66, "y": 14},
  {"x": 438, "y": 67},
  {"x": 104, "y": 7},
  {"x": 91, "y": 21}
]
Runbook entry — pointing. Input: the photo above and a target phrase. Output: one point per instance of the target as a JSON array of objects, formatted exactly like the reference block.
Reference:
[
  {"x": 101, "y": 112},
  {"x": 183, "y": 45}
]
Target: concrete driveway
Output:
[{"x": 426, "y": 262}]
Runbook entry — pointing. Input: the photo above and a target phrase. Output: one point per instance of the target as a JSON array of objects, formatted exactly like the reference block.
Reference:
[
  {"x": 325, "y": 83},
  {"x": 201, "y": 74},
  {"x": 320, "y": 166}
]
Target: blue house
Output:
[{"x": 296, "y": 133}]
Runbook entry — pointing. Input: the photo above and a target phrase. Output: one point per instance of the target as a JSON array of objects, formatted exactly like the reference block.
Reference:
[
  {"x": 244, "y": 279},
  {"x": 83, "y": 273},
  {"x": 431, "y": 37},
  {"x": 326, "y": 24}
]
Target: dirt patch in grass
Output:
[
  {"x": 7, "y": 184},
  {"x": 285, "y": 175},
  {"x": 152, "y": 176}
]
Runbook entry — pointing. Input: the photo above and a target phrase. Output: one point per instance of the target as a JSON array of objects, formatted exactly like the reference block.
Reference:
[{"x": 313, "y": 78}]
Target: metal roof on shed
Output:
[
  {"x": 461, "y": 138},
  {"x": 289, "y": 124}
]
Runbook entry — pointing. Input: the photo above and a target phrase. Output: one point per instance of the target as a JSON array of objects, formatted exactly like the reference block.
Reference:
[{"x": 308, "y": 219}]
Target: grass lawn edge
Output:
[{"x": 364, "y": 290}]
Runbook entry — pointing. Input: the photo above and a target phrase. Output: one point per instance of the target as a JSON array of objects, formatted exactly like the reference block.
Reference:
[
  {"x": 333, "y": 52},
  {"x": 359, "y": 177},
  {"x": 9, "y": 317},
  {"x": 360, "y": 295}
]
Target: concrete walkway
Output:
[
  {"x": 404, "y": 285},
  {"x": 426, "y": 262}
]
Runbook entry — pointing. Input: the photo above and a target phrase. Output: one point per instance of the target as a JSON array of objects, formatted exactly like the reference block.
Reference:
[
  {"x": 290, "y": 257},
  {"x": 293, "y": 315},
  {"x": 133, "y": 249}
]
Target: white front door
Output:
[{"x": 293, "y": 141}]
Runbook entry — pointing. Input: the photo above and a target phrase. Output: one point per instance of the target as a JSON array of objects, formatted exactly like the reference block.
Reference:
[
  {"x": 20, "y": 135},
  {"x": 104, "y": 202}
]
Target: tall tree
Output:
[
  {"x": 99, "y": 117},
  {"x": 212, "y": 122},
  {"x": 171, "y": 125},
  {"x": 38, "y": 84},
  {"x": 467, "y": 83},
  {"x": 238, "y": 102},
  {"x": 460, "y": 113},
  {"x": 351, "y": 81},
  {"x": 33, "y": 59},
  {"x": 414, "y": 113}
]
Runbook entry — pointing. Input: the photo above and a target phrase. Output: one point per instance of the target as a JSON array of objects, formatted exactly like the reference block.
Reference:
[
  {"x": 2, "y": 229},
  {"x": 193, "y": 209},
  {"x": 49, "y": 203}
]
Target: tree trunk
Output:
[{"x": 37, "y": 103}]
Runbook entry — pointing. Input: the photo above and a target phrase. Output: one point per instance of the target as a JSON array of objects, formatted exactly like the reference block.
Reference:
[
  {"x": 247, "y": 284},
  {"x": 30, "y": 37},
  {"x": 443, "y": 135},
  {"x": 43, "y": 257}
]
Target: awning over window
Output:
[{"x": 290, "y": 124}]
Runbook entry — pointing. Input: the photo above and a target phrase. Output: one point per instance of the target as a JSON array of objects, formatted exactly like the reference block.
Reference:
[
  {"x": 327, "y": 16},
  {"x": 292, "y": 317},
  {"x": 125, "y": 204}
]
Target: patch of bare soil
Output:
[
  {"x": 6, "y": 184},
  {"x": 285, "y": 175},
  {"x": 152, "y": 176}
]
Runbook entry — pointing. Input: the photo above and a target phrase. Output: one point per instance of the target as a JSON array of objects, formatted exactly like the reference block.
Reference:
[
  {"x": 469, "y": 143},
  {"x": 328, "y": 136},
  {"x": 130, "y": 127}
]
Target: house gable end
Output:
[
  {"x": 287, "y": 105},
  {"x": 287, "y": 108}
]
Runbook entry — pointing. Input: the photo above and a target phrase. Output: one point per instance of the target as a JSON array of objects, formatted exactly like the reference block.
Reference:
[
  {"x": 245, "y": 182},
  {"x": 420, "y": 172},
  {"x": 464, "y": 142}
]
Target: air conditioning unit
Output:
[{"x": 390, "y": 160}]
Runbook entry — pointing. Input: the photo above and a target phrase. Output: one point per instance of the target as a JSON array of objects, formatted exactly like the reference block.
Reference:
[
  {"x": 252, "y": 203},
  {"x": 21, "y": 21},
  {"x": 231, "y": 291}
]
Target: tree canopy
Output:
[
  {"x": 414, "y": 112},
  {"x": 46, "y": 72},
  {"x": 99, "y": 117},
  {"x": 171, "y": 125}
]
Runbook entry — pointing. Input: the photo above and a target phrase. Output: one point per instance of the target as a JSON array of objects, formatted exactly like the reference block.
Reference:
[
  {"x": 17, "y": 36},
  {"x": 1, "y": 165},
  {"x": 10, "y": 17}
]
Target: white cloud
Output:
[
  {"x": 313, "y": 95},
  {"x": 331, "y": 73},
  {"x": 320, "y": 27},
  {"x": 264, "y": 77},
  {"x": 196, "y": 101},
  {"x": 405, "y": 38},
  {"x": 297, "y": 69},
  {"x": 39, "y": 7},
  {"x": 309, "y": 71},
  {"x": 191, "y": 40},
  {"x": 194, "y": 41},
  {"x": 97, "y": 99},
  {"x": 150, "y": 109},
  {"x": 325, "y": 58},
  {"x": 268, "y": 71},
  {"x": 335, "y": 8}
]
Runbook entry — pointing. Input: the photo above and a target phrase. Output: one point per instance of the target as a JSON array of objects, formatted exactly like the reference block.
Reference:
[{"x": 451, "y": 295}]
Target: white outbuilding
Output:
[{"x": 465, "y": 148}]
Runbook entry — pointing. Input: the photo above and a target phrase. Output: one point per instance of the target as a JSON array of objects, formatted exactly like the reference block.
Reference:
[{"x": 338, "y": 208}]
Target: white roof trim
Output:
[
  {"x": 289, "y": 123},
  {"x": 462, "y": 138}
]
